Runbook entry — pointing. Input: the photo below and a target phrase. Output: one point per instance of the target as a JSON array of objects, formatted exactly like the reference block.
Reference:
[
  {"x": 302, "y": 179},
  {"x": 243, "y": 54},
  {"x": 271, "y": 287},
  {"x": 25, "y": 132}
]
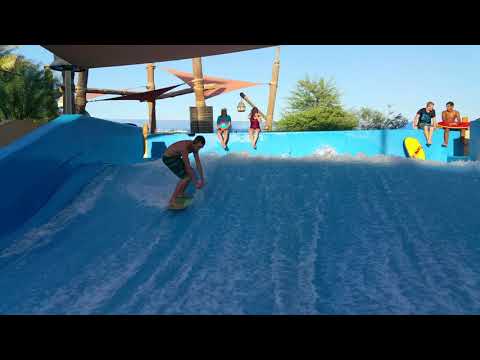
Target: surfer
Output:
[
  {"x": 425, "y": 119},
  {"x": 176, "y": 159},
  {"x": 254, "y": 130},
  {"x": 449, "y": 116},
  {"x": 224, "y": 124}
]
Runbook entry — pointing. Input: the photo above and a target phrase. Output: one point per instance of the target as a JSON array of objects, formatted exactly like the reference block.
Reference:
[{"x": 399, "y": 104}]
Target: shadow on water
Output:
[
  {"x": 158, "y": 148},
  {"x": 458, "y": 147}
]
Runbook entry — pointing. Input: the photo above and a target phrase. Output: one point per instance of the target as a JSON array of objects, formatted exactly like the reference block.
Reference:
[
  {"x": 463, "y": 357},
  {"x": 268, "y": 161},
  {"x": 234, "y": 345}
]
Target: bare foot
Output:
[{"x": 174, "y": 206}]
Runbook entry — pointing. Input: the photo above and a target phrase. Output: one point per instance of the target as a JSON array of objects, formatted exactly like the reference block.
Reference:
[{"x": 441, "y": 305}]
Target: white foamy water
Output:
[{"x": 325, "y": 234}]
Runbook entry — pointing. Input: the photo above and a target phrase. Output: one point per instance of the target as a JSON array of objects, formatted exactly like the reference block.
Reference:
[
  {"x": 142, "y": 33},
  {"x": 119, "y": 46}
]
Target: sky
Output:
[{"x": 375, "y": 76}]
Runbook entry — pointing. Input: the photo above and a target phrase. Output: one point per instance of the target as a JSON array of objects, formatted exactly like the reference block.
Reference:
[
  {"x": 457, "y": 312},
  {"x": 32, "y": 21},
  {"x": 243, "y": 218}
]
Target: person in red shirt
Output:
[{"x": 254, "y": 130}]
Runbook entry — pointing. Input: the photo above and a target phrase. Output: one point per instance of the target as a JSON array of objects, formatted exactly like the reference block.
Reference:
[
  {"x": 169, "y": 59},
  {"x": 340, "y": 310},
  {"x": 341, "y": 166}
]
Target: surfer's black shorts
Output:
[
  {"x": 421, "y": 125},
  {"x": 176, "y": 165}
]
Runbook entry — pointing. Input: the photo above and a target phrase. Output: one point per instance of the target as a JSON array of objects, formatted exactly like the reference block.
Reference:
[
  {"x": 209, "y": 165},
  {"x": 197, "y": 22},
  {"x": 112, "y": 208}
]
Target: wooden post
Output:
[
  {"x": 151, "y": 104},
  {"x": 198, "y": 82},
  {"x": 81, "y": 92},
  {"x": 273, "y": 89},
  {"x": 111, "y": 91},
  {"x": 145, "y": 136},
  {"x": 201, "y": 115}
]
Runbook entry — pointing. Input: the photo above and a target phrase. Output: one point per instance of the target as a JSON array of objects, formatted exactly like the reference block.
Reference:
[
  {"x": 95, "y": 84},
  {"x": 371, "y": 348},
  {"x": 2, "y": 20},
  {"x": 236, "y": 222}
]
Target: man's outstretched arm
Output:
[
  {"x": 188, "y": 167},
  {"x": 199, "y": 166}
]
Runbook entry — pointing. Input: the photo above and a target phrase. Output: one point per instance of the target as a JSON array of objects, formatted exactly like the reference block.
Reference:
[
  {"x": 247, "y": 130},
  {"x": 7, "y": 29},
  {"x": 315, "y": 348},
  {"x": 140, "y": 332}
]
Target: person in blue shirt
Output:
[
  {"x": 425, "y": 120},
  {"x": 224, "y": 124}
]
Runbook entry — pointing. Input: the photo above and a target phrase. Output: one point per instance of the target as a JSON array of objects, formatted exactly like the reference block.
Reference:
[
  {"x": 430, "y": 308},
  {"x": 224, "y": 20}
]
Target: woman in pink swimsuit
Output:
[{"x": 254, "y": 130}]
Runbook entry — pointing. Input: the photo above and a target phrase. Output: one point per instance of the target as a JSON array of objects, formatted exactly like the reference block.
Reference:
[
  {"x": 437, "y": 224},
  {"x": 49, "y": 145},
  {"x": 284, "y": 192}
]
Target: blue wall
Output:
[
  {"x": 475, "y": 140},
  {"x": 34, "y": 167},
  {"x": 297, "y": 144}
]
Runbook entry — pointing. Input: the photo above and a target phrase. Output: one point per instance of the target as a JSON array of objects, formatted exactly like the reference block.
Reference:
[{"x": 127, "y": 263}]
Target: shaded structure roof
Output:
[
  {"x": 222, "y": 86},
  {"x": 218, "y": 86},
  {"x": 94, "y": 56},
  {"x": 143, "y": 96}
]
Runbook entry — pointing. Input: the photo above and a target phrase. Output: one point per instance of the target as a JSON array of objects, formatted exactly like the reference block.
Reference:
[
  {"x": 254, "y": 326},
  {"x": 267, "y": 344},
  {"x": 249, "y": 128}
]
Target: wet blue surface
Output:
[{"x": 322, "y": 234}]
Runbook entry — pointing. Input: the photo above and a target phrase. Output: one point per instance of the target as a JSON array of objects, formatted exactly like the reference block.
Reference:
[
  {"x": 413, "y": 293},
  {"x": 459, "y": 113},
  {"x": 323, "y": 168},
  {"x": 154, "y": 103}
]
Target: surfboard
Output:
[
  {"x": 183, "y": 202},
  {"x": 413, "y": 148},
  {"x": 462, "y": 125}
]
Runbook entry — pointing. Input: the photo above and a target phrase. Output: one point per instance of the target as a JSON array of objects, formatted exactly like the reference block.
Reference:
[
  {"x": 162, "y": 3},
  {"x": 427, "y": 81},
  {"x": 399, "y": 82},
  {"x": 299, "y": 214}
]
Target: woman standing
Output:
[{"x": 254, "y": 130}]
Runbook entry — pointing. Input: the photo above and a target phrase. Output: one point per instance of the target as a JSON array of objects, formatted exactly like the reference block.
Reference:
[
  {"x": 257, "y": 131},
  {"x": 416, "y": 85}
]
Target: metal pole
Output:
[
  {"x": 273, "y": 89},
  {"x": 68, "y": 99}
]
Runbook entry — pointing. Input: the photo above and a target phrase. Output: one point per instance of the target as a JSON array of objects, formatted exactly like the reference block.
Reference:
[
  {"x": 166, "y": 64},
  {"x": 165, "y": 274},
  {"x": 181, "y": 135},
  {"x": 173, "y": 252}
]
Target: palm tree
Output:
[
  {"x": 28, "y": 92},
  {"x": 7, "y": 60}
]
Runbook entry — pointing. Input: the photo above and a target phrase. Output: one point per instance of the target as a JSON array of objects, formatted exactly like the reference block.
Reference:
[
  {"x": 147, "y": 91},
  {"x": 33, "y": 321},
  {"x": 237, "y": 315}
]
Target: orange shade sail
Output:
[
  {"x": 91, "y": 96},
  {"x": 222, "y": 86}
]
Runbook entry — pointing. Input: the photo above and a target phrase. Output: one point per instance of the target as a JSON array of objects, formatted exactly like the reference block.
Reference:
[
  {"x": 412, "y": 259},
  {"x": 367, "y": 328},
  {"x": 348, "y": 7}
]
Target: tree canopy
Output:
[
  {"x": 28, "y": 92},
  {"x": 316, "y": 106}
]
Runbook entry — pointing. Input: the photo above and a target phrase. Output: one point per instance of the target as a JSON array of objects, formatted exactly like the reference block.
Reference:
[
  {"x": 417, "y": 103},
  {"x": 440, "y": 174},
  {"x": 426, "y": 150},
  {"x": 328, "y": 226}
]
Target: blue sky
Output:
[{"x": 405, "y": 77}]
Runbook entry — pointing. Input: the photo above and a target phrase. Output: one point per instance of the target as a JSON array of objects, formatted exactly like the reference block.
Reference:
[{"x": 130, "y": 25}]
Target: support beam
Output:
[
  {"x": 249, "y": 102},
  {"x": 198, "y": 82},
  {"x": 110, "y": 91},
  {"x": 273, "y": 89},
  {"x": 81, "y": 92},
  {"x": 68, "y": 94},
  {"x": 151, "y": 104},
  {"x": 185, "y": 91}
]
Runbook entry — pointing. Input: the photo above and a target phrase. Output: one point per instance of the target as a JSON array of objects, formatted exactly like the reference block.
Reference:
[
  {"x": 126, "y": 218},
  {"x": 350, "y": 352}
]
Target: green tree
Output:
[
  {"x": 309, "y": 94},
  {"x": 374, "y": 119},
  {"x": 316, "y": 106},
  {"x": 28, "y": 92},
  {"x": 320, "y": 118}
]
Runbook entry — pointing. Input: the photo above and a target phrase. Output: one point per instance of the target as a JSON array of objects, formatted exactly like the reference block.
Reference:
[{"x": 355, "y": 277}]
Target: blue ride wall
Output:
[
  {"x": 34, "y": 167},
  {"x": 298, "y": 144},
  {"x": 475, "y": 140}
]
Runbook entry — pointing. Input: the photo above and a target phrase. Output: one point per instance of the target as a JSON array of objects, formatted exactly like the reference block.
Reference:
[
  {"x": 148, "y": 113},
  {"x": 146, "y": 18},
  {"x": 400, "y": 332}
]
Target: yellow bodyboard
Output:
[{"x": 413, "y": 148}]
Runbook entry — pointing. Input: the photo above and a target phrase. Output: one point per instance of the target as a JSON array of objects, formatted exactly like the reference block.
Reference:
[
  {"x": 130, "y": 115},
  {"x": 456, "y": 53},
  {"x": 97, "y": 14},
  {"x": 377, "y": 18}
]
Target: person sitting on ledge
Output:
[
  {"x": 449, "y": 116},
  {"x": 254, "y": 130},
  {"x": 425, "y": 119},
  {"x": 224, "y": 124}
]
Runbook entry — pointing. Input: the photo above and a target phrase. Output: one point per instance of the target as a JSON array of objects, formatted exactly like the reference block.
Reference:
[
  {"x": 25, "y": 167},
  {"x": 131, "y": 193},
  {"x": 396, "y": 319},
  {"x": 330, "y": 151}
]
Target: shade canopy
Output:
[
  {"x": 95, "y": 56},
  {"x": 91, "y": 96},
  {"x": 144, "y": 96},
  {"x": 221, "y": 86}
]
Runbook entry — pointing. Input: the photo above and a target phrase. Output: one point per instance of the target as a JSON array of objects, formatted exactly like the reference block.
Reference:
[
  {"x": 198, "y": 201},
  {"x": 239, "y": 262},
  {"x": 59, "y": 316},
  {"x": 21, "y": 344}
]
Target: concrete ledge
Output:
[{"x": 299, "y": 144}]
